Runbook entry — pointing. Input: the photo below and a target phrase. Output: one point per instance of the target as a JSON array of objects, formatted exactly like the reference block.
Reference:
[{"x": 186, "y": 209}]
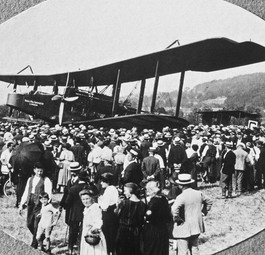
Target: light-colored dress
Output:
[
  {"x": 92, "y": 220},
  {"x": 66, "y": 157}
]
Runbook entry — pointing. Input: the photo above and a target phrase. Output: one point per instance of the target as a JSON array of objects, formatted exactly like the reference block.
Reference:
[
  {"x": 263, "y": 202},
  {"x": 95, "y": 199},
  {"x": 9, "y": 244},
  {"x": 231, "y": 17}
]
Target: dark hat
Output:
[
  {"x": 83, "y": 176},
  {"x": 107, "y": 178}
]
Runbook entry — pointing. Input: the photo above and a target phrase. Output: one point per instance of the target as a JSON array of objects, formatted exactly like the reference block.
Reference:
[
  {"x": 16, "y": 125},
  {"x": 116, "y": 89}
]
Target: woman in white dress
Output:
[
  {"x": 92, "y": 221},
  {"x": 66, "y": 157},
  {"x": 108, "y": 201}
]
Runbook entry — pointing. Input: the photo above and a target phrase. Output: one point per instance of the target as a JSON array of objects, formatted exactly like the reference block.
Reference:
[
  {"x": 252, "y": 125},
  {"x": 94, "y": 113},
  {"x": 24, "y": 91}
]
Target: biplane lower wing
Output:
[{"x": 153, "y": 121}]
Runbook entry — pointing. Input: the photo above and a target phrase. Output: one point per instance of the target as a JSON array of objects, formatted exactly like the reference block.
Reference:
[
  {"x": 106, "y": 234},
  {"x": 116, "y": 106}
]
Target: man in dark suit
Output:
[
  {"x": 79, "y": 151},
  {"x": 227, "y": 170},
  {"x": 177, "y": 156},
  {"x": 74, "y": 169},
  {"x": 76, "y": 208},
  {"x": 151, "y": 166},
  {"x": 132, "y": 172},
  {"x": 145, "y": 145}
]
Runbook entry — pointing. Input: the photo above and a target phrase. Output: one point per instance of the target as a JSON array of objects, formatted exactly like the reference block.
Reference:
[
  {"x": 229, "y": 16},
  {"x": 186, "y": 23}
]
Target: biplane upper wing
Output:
[{"x": 205, "y": 56}]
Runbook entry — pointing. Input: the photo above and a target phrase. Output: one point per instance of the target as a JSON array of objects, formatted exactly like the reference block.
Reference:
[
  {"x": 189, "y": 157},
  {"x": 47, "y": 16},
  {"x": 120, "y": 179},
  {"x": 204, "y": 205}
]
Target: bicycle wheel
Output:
[{"x": 9, "y": 189}]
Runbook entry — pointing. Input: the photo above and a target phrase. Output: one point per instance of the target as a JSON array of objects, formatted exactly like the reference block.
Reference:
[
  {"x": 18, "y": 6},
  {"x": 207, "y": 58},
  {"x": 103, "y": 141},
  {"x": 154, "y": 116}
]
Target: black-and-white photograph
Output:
[{"x": 132, "y": 127}]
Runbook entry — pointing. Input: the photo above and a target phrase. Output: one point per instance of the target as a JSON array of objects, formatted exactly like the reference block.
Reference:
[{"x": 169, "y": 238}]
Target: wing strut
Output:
[
  {"x": 180, "y": 93},
  {"x": 117, "y": 89},
  {"x": 141, "y": 97},
  {"x": 155, "y": 88}
]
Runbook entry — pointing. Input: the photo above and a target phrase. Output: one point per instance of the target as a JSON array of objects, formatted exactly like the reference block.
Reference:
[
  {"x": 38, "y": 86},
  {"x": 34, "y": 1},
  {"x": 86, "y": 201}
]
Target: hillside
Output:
[
  {"x": 240, "y": 92},
  {"x": 244, "y": 92}
]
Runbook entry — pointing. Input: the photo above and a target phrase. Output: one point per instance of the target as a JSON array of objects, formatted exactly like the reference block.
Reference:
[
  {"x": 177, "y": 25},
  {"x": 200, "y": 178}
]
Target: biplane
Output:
[{"x": 92, "y": 107}]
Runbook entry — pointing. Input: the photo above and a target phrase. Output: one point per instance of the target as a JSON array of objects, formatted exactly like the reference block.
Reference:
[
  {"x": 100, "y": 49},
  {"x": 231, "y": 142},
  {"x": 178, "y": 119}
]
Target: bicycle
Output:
[{"x": 9, "y": 188}]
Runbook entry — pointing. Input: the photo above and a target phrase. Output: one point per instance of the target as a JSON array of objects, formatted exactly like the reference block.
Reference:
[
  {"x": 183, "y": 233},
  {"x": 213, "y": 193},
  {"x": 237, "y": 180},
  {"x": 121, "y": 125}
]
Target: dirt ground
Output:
[{"x": 230, "y": 221}]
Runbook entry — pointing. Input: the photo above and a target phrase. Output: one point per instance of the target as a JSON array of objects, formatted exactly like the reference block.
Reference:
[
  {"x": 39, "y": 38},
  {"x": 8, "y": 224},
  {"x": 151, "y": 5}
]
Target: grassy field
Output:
[{"x": 229, "y": 221}]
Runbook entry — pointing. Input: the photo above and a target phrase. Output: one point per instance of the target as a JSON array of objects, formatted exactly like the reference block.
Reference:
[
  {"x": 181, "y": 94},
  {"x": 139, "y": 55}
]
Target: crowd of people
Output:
[{"x": 130, "y": 191}]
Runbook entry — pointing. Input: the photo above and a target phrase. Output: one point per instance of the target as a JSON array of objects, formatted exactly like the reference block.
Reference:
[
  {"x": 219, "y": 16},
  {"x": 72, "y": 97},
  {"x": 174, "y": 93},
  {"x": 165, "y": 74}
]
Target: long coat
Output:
[
  {"x": 187, "y": 210},
  {"x": 228, "y": 162},
  {"x": 74, "y": 203}
]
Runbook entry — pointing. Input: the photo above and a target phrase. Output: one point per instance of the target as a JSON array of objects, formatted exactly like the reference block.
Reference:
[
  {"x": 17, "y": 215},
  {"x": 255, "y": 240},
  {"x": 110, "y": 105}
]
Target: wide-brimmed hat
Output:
[
  {"x": 75, "y": 166},
  {"x": 184, "y": 179}
]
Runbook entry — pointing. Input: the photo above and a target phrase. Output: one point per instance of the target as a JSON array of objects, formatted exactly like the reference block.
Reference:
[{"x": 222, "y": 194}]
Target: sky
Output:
[{"x": 68, "y": 35}]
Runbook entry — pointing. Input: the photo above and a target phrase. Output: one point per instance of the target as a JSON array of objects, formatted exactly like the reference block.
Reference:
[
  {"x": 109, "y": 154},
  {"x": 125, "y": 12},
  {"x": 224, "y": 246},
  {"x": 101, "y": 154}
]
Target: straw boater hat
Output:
[
  {"x": 75, "y": 166},
  {"x": 152, "y": 149},
  {"x": 160, "y": 143},
  {"x": 134, "y": 152},
  {"x": 229, "y": 144},
  {"x": 48, "y": 144},
  {"x": 184, "y": 179},
  {"x": 241, "y": 145}
]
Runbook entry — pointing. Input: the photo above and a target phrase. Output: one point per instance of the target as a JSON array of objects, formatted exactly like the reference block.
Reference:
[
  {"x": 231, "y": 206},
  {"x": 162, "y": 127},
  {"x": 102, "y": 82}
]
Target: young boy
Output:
[{"x": 47, "y": 217}]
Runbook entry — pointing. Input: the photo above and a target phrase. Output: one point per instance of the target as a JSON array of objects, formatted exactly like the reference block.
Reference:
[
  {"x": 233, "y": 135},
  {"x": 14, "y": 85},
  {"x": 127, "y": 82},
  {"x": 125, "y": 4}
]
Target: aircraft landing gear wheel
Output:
[{"x": 9, "y": 189}]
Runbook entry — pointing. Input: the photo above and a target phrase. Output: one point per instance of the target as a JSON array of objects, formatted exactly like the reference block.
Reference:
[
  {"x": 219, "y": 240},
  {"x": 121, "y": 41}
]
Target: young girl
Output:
[{"x": 47, "y": 217}]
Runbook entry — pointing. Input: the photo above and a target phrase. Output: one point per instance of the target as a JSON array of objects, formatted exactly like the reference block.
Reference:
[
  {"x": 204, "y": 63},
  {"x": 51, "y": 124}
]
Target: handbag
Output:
[
  {"x": 93, "y": 238},
  {"x": 60, "y": 165}
]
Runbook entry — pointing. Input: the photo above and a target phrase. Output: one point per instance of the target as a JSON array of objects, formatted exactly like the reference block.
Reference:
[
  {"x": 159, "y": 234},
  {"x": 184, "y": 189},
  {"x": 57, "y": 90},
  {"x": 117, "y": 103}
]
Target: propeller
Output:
[
  {"x": 71, "y": 99},
  {"x": 66, "y": 99},
  {"x": 57, "y": 97},
  {"x": 63, "y": 98}
]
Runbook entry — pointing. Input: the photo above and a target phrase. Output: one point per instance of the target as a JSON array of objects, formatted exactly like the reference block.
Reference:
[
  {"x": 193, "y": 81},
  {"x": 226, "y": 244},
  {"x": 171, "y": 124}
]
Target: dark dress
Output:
[
  {"x": 131, "y": 219},
  {"x": 155, "y": 235}
]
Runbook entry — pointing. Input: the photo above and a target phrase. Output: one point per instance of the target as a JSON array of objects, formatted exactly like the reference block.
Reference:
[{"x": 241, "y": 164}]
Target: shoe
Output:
[
  {"x": 229, "y": 196},
  {"x": 223, "y": 197}
]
